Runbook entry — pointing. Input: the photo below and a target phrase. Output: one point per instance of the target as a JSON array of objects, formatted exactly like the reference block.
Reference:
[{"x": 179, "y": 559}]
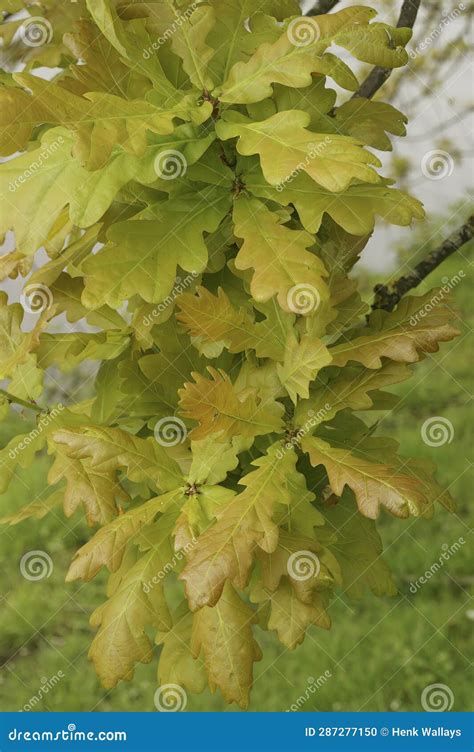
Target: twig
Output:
[
  {"x": 378, "y": 76},
  {"x": 321, "y": 7},
  {"x": 23, "y": 403},
  {"x": 388, "y": 296},
  {"x": 408, "y": 13}
]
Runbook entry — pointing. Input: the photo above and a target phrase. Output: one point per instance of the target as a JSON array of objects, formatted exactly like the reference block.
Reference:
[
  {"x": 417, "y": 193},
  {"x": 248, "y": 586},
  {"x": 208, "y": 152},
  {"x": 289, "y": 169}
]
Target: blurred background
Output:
[{"x": 380, "y": 653}]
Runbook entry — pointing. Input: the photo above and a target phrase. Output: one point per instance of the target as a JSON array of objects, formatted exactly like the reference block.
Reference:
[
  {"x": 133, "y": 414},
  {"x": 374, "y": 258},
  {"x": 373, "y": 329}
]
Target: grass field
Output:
[{"x": 380, "y": 653}]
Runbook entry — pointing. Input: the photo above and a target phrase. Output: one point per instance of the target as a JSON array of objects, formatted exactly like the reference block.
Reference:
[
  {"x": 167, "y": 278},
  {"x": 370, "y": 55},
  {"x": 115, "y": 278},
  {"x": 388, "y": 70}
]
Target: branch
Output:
[
  {"x": 388, "y": 296},
  {"x": 321, "y": 7},
  {"x": 378, "y": 76},
  {"x": 23, "y": 403},
  {"x": 408, "y": 13}
]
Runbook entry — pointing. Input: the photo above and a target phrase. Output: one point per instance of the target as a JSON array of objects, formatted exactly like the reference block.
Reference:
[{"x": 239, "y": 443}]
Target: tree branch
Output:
[
  {"x": 378, "y": 76},
  {"x": 23, "y": 403},
  {"x": 408, "y": 13},
  {"x": 321, "y": 7},
  {"x": 388, "y": 296}
]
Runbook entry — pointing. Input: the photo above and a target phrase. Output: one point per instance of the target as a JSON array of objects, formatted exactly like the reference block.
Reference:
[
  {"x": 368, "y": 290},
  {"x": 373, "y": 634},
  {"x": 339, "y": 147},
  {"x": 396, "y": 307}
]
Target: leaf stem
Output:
[{"x": 23, "y": 403}]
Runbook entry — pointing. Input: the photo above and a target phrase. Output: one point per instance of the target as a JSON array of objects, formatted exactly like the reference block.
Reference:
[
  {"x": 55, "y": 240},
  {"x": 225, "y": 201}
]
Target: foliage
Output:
[{"x": 223, "y": 443}]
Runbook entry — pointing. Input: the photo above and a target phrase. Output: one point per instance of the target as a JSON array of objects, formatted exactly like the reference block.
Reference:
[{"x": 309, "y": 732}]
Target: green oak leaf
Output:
[
  {"x": 174, "y": 238},
  {"x": 286, "y": 148}
]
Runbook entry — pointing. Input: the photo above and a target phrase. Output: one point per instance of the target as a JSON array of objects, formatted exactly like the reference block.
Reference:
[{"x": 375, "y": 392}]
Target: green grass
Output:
[{"x": 381, "y": 653}]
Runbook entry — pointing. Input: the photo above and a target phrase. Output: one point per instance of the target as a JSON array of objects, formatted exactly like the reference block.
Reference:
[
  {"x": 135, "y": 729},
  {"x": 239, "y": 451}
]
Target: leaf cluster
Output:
[{"x": 202, "y": 201}]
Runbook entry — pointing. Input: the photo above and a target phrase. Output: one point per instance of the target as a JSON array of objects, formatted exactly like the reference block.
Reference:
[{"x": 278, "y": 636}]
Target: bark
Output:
[
  {"x": 321, "y": 7},
  {"x": 388, "y": 296}
]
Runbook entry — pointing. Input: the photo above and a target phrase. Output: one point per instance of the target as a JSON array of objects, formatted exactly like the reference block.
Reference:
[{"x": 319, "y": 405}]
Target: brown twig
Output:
[
  {"x": 378, "y": 75},
  {"x": 23, "y": 403},
  {"x": 321, "y": 7},
  {"x": 388, "y": 296}
]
